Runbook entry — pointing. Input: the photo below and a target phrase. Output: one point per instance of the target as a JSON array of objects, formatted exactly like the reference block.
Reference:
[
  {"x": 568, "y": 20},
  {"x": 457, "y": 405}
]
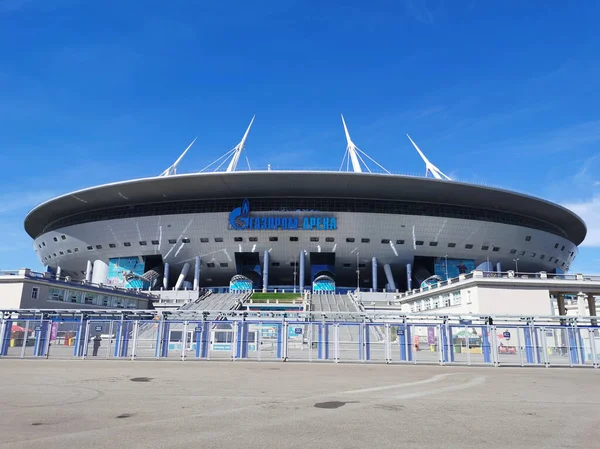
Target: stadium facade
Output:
[{"x": 298, "y": 229}]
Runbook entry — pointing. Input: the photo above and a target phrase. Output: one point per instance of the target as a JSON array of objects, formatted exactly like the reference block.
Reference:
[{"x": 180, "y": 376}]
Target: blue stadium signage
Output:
[{"x": 240, "y": 219}]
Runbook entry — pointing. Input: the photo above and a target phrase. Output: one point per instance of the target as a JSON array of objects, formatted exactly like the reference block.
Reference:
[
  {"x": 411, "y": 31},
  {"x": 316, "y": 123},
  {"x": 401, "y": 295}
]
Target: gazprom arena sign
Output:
[{"x": 240, "y": 219}]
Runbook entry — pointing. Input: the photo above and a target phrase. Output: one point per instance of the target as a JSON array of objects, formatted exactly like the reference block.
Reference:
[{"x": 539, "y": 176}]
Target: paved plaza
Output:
[{"x": 167, "y": 404}]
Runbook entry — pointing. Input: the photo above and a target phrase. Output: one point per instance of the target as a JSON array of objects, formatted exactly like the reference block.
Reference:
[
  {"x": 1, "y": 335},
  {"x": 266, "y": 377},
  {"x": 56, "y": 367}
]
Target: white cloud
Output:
[{"x": 590, "y": 212}]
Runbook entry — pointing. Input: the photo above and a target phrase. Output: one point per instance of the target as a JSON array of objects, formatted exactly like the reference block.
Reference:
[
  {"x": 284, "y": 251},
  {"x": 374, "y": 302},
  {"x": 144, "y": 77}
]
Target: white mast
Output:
[
  {"x": 351, "y": 149},
  {"x": 429, "y": 167},
  {"x": 237, "y": 150},
  {"x": 172, "y": 170}
]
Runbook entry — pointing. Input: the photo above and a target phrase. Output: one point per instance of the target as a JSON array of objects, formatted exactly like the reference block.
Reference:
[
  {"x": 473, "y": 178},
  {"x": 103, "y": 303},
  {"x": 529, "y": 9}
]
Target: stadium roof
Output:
[{"x": 309, "y": 184}]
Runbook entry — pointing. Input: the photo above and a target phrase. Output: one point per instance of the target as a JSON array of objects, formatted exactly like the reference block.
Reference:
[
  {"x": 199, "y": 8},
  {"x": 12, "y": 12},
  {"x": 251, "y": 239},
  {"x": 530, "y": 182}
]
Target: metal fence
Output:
[{"x": 307, "y": 336}]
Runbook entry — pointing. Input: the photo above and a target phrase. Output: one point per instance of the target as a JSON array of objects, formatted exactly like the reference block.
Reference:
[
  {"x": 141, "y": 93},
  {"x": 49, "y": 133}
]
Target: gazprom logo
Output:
[{"x": 240, "y": 219}]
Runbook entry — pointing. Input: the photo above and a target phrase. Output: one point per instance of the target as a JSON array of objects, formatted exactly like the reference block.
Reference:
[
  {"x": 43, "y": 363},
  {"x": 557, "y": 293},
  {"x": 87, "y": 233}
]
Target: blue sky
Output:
[{"x": 501, "y": 93}]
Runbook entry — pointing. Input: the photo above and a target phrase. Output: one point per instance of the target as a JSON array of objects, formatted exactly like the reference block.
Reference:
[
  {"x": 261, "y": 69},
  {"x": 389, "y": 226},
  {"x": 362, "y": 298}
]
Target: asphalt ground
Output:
[{"x": 170, "y": 404}]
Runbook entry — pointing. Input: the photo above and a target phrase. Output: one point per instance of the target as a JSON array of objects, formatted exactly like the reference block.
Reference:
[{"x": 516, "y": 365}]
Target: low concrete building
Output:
[{"x": 26, "y": 289}]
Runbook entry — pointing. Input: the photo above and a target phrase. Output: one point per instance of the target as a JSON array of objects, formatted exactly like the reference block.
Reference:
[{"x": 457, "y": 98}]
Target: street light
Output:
[
  {"x": 357, "y": 273},
  {"x": 446, "y": 256},
  {"x": 516, "y": 261}
]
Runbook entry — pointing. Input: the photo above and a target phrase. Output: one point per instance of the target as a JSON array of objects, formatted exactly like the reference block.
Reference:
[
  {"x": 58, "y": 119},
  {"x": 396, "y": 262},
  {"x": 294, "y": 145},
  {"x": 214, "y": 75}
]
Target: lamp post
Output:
[
  {"x": 516, "y": 261},
  {"x": 295, "y": 269},
  {"x": 357, "y": 273},
  {"x": 446, "y": 257}
]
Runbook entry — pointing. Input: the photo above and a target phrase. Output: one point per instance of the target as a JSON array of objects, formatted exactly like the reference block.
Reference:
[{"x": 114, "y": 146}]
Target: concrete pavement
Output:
[{"x": 110, "y": 404}]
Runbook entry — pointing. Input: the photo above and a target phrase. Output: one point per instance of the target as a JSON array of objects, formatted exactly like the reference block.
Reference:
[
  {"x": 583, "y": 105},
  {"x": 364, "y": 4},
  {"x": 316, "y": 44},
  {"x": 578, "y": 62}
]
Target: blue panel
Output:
[
  {"x": 320, "y": 333},
  {"x": 5, "y": 343},
  {"x": 279, "y": 340},
  {"x": 205, "y": 338},
  {"x": 446, "y": 348},
  {"x": 165, "y": 339},
  {"x": 125, "y": 272},
  {"x": 326, "y": 340},
  {"x": 485, "y": 345},
  {"x": 455, "y": 267},
  {"x": 367, "y": 343},
  {"x": 528, "y": 345},
  {"x": 573, "y": 346}
]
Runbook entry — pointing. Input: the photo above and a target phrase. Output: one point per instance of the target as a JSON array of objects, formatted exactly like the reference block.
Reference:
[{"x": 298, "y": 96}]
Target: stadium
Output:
[{"x": 298, "y": 230}]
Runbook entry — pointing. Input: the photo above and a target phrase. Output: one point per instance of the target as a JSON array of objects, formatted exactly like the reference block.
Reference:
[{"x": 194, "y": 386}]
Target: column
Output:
[
  {"x": 166, "y": 276},
  {"x": 88, "y": 272},
  {"x": 498, "y": 267},
  {"x": 197, "y": 273},
  {"x": 388, "y": 274},
  {"x": 374, "y": 273},
  {"x": 592, "y": 308},
  {"x": 184, "y": 272},
  {"x": 409, "y": 276},
  {"x": 58, "y": 271},
  {"x": 265, "y": 271},
  {"x": 99, "y": 272},
  {"x": 301, "y": 271}
]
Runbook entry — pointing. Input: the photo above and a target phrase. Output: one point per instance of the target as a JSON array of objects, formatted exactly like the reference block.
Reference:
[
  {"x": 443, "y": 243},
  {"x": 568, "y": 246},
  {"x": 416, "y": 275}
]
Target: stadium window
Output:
[
  {"x": 49, "y": 256},
  {"x": 210, "y": 265},
  {"x": 185, "y": 240},
  {"x": 40, "y": 246},
  {"x": 419, "y": 242},
  {"x": 528, "y": 238},
  {"x": 90, "y": 248},
  {"x": 274, "y": 264},
  {"x": 219, "y": 239},
  {"x": 563, "y": 264},
  {"x": 361, "y": 265},
  {"x": 294, "y": 264},
  {"x": 69, "y": 251},
  {"x": 347, "y": 265},
  {"x": 513, "y": 251},
  {"x": 76, "y": 250},
  {"x": 253, "y": 239},
  {"x": 61, "y": 253},
  {"x": 364, "y": 240},
  {"x": 451, "y": 245},
  {"x": 399, "y": 242},
  {"x": 202, "y": 240},
  {"x": 349, "y": 239},
  {"x": 385, "y": 241},
  {"x": 532, "y": 254},
  {"x": 64, "y": 237},
  {"x": 556, "y": 261},
  {"x": 496, "y": 249},
  {"x": 112, "y": 245},
  {"x": 238, "y": 239},
  {"x": 555, "y": 245},
  {"x": 563, "y": 248},
  {"x": 522, "y": 253},
  {"x": 126, "y": 243},
  {"x": 293, "y": 239},
  {"x": 55, "y": 239},
  {"x": 433, "y": 243},
  {"x": 468, "y": 246},
  {"x": 273, "y": 239},
  {"x": 314, "y": 239},
  {"x": 542, "y": 256},
  {"x": 43, "y": 243},
  {"x": 98, "y": 246},
  {"x": 485, "y": 248},
  {"x": 54, "y": 254},
  {"x": 143, "y": 243},
  {"x": 329, "y": 239},
  {"x": 223, "y": 264},
  {"x": 155, "y": 242}
]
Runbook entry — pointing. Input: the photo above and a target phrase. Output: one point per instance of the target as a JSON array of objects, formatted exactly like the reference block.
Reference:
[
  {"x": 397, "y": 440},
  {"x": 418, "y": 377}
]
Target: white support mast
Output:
[
  {"x": 172, "y": 170},
  {"x": 429, "y": 167},
  {"x": 355, "y": 155},
  {"x": 351, "y": 149},
  {"x": 237, "y": 150}
]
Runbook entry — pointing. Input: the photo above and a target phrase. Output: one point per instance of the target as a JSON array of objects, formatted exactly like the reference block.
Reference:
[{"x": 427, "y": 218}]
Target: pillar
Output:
[
  {"x": 88, "y": 272},
  {"x": 58, "y": 270},
  {"x": 166, "y": 276},
  {"x": 592, "y": 308},
  {"x": 374, "y": 274},
  {"x": 301, "y": 271},
  {"x": 581, "y": 297},
  {"x": 265, "y": 271},
  {"x": 409, "y": 276},
  {"x": 184, "y": 272},
  {"x": 99, "y": 272},
  {"x": 389, "y": 277},
  {"x": 498, "y": 267},
  {"x": 560, "y": 302},
  {"x": 197, "y": 273}
]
